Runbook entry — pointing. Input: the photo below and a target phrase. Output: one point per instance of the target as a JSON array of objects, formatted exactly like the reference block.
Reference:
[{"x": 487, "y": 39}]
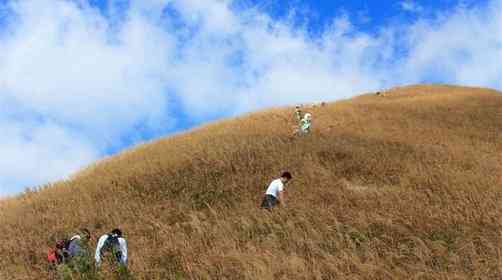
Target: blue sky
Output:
[
  {"x": 368, "y": 16},
  {"x": 83, "y": 79}
]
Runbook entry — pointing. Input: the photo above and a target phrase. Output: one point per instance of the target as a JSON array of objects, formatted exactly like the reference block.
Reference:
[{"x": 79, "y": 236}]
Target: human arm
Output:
[
  {"x": 282, "y": 200},
  {"x": 123, "y": 250},
  {"x": 101, "y": 243}
]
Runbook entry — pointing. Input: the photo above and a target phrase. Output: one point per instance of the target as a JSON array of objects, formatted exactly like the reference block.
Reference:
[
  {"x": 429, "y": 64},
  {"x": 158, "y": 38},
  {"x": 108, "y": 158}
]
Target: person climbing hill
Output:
[
  {"x": 73, "y": 252},
  {"x": 275, "y": 192},
  {"x": 59, "y": 253},
  {"x": 78, "y": 243},
  {"x": 113, "y": 243},
  {"x": 298, "y": 113},
  {"x": 305, "y": 121}
]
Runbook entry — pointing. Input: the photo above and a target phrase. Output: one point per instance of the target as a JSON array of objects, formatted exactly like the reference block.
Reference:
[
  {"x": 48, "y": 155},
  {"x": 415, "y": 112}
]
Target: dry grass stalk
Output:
[{"x": 401, "y": 187}]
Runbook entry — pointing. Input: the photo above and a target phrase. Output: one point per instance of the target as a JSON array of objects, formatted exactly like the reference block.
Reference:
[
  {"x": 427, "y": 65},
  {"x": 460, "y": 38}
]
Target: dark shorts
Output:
[{"x": 269, "y": 201}]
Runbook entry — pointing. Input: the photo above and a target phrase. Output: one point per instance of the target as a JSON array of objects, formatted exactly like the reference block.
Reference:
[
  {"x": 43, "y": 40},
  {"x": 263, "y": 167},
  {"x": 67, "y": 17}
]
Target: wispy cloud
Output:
[
  {"x": 73, "y": 85},
  {"x": 75, "y": 82},
  {"x": 411, "y": 6}
]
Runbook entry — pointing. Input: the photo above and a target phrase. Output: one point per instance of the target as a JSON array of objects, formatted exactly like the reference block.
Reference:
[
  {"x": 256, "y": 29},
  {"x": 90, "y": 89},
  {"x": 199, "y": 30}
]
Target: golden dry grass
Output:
[{"x": 405, "y": 186}]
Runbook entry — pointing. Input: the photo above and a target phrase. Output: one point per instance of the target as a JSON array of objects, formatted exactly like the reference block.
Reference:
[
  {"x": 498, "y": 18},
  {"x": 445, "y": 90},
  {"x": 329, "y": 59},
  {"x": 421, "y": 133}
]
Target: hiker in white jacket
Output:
[{"x": 113, "y": 243}]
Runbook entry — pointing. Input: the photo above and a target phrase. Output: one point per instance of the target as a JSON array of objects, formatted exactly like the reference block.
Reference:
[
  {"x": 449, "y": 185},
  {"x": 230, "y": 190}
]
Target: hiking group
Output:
[
  {"x": 76, "y": 253},
  {"x": 67, "y": 249},
  {"x": 114, "y": 246},
  {"x": 305, "y": 121}
]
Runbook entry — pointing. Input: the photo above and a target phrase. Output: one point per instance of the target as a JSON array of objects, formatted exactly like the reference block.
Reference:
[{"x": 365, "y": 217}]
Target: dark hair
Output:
[
  {"x": 117, "y": 231},
  {"x": 85, "y": 231},
  {"x": 286, "y": 175}
]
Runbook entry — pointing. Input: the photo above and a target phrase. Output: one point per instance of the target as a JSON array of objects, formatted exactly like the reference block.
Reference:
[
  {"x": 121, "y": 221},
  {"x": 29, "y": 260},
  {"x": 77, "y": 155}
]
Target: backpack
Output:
[
  {"x": 59, "y": 254},
  {"x": 112, "y": 245},
  {"x": 51, "y": 256}
]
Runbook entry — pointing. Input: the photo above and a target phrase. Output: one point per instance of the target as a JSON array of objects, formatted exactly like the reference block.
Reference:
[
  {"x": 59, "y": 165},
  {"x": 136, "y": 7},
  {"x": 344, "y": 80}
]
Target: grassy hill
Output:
[{"x": 401, "y": 186}]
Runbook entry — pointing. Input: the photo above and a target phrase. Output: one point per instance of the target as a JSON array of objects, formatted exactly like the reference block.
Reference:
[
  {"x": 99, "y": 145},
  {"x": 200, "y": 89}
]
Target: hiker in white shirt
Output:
[
  {"x": 275, "y": 192},
  {"x": 113, "y": 243}
]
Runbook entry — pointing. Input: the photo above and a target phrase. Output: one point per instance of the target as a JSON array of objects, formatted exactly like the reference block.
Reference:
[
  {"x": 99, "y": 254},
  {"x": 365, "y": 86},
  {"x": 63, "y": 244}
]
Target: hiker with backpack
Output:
[
  {"x": 59, "y": 254},
  {"x": 78, "y": 243},
  {"x": 114, "y": 244},
  {"x": 68, "y": 250},
  {"x": 275, "y": 192},
  {"x": 80, "y": 260},
  {"x": 304, "y": 122}
]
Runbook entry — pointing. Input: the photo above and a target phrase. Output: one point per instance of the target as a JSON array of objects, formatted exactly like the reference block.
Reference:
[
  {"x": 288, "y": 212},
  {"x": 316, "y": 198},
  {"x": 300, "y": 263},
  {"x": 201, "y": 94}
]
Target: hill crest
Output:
[{"x": 384, "y": 187}]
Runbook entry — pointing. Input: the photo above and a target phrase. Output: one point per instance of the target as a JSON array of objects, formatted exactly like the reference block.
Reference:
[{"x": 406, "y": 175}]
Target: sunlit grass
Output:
[{"x": 405, "y": 186}]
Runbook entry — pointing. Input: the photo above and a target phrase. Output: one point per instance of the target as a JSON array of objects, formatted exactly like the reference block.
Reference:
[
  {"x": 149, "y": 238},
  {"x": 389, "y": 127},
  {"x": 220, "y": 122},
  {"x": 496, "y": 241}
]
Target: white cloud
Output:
[
  {"x": 39, "y": 152},
  {"x": 74, "y": 82},
  {"x": 463, "y": 47},
  {"x": 64, "y": 65},
  {"x": 411, "y": 6},
  {"x": 276, "y": 63}
]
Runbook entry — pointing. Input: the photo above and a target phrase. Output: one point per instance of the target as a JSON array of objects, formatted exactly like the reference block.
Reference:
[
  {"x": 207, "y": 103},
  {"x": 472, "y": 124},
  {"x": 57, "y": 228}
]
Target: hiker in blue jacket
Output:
[{"x": 78, "y": 242}]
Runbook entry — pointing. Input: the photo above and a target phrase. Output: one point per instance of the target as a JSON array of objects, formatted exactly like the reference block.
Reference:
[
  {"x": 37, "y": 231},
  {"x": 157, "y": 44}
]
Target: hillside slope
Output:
[{"x": 405, "y": 186}]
